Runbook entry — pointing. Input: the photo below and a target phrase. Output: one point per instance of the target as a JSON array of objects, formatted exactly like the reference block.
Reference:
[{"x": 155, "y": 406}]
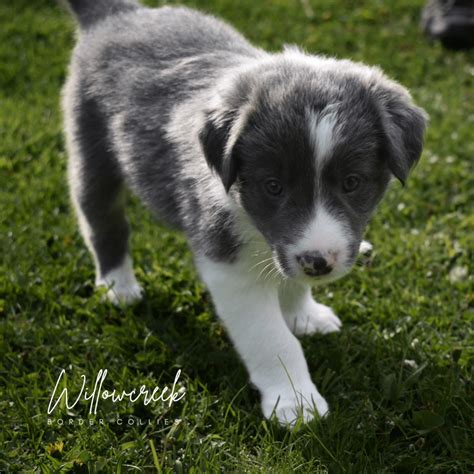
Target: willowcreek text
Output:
[{"x": 165, "y": 394}]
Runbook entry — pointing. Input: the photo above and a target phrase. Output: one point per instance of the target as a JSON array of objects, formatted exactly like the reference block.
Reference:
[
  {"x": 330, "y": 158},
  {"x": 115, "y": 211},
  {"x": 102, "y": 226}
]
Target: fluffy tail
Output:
[{"x": 89, "y": 12}]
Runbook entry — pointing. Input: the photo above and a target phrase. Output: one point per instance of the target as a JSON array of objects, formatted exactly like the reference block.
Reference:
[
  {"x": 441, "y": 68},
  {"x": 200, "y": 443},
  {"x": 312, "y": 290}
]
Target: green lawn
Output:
[{"x": 414, "y": 303}]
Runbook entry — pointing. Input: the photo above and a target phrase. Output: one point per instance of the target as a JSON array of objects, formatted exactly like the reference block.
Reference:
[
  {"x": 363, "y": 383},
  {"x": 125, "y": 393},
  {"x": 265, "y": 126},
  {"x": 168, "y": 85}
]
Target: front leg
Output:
[
  {"x": 302, "y": 314},
  {"x": 273, "y": 356}
]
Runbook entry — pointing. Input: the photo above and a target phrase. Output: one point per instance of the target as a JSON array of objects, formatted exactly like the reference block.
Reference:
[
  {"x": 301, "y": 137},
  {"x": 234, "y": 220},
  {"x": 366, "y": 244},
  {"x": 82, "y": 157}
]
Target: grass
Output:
[{"x": 414, "y": 303}]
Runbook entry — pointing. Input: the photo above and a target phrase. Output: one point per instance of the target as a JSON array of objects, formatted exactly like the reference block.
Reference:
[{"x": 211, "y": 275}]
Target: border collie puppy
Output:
[{"x": 271, "y": 164}]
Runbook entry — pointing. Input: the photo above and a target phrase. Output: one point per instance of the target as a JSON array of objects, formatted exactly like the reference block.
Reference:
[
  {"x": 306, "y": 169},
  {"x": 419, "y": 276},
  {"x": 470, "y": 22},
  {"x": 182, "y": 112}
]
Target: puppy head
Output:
[{"x": 308, "y": 154}]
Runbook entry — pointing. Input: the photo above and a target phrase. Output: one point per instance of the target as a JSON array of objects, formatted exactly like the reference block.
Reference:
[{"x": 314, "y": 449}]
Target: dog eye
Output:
[
  {"x": 350, "y": 183},
  {"x": 273, "y": 187}
]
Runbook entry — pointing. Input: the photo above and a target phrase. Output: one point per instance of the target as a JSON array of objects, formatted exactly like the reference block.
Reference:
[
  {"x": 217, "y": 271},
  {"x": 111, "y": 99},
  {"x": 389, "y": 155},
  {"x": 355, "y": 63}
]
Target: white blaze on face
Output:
[
  {"x": 323, "y": 131},
  {"x": 329, "y": 236},
  {"x": 325, "y": 233}
]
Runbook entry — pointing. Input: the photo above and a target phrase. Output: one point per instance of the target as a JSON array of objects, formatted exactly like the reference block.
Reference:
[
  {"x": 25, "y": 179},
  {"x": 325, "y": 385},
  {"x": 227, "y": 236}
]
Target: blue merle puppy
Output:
[{"x": 271, "y": 164}]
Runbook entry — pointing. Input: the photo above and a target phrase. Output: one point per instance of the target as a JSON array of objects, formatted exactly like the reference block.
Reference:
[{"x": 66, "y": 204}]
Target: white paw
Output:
[
  {"x": 123, "y": 287},
  {"x": 365, "y": 248},
  {"x": 288, "y": 406},
  {"x": 313, "y": 318},
  {"x": 119, "y": 295}
]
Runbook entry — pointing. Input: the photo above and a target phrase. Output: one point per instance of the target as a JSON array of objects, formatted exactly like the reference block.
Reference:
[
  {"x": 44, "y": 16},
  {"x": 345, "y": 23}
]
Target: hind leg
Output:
[
  {"x": 97, "y": 192},
  {"x": 105, "y": 231}
]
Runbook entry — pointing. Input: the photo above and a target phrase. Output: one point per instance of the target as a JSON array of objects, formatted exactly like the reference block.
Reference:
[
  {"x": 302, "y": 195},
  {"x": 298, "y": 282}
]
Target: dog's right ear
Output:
[{"x": 216, "y": 143}]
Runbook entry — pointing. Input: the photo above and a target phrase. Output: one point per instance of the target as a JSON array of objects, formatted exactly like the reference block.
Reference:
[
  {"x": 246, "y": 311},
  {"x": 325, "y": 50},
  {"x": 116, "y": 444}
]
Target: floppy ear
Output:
[
  {"x": 404, "y": 125},
  {"x": 217, "y": 147}
]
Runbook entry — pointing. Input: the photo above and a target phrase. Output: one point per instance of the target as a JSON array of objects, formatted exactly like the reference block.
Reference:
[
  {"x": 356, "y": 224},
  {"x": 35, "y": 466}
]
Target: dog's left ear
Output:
[
  {"x": 404, "y": 124},
  {"x": 215, "y": 138}
]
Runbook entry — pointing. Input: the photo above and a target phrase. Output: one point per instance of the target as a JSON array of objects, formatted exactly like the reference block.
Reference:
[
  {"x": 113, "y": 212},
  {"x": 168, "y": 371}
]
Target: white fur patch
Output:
[
  {"x": 323, "y": 132},
  {"x": 253, "y": 318},
  {"x": 365, "y": 247},
  {"x": 328, "y": 235},
  {"x": 123, "y": 287},
  {"x": 302, "y": 314}
]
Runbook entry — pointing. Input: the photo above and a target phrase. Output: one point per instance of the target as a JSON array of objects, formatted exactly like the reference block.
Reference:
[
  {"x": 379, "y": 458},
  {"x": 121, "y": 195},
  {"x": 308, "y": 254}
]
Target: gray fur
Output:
[
  {"x": 89, "y": 12},
  {"x": 183, "y": 110}
]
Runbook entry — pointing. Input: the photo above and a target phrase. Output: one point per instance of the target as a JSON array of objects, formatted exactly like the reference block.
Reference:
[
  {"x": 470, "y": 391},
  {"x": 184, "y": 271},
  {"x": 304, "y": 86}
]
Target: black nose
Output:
[{"x": 313, "y": 264}]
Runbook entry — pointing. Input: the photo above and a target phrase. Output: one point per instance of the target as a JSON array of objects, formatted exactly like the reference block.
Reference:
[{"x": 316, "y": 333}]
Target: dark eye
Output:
[
  {"x": 350, "y": 183},
  {"x": 273, "y": 187}
]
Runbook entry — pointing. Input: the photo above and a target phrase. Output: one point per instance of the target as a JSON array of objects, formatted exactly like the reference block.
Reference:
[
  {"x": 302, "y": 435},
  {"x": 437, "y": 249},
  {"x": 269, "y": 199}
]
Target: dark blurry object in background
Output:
[{"x": 450, "y": 21}]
